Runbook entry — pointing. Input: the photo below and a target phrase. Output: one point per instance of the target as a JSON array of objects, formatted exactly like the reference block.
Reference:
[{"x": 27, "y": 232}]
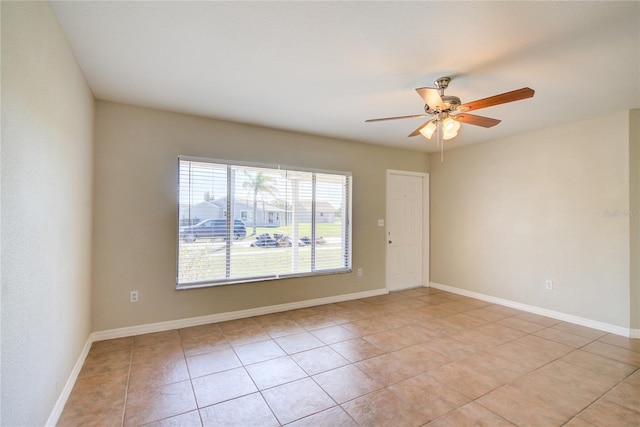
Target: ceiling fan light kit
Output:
[{"x": 449, "y": 111}]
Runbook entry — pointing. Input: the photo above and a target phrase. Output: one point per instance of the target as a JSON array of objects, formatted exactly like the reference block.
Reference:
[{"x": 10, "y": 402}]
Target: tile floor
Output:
[{"x": 411, "y": 358}]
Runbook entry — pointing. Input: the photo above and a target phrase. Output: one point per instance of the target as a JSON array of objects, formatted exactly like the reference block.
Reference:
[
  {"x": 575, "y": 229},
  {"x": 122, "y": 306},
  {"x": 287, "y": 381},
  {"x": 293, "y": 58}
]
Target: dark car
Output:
[{"x": 212, "y": 229}]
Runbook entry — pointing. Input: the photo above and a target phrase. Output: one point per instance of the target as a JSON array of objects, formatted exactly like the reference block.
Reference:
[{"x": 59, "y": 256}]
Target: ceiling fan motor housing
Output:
[{"x": 451, "y": 103}]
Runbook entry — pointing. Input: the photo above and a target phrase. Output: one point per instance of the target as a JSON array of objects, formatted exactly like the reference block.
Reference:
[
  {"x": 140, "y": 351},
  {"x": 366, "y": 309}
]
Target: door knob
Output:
[{"x": 390, "y": 242}]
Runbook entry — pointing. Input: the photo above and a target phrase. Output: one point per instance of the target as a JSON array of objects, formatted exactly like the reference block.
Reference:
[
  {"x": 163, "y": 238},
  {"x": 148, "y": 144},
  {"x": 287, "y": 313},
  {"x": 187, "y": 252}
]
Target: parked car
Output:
[{"x": 212, "y": 229}]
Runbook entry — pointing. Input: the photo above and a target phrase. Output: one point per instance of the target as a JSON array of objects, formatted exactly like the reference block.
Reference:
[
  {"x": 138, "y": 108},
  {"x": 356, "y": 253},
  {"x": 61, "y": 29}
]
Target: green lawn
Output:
[{"x": 206, "y": 260}]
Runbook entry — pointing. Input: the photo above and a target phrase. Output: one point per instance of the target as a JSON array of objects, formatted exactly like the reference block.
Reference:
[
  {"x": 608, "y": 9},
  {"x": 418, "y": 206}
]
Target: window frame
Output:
[{"x": 346, "y": 232}]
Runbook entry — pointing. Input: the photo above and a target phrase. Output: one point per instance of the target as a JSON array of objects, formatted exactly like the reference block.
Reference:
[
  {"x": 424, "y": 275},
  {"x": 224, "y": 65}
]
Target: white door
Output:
[{"x": 407, "y": 229}]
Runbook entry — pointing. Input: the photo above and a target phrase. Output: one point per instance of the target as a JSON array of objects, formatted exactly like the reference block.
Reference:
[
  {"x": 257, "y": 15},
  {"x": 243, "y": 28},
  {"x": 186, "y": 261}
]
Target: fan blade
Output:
[
  {"x": 515, "y": 95},
  {"x": 472, "y": 119},
  {"x": 417, "y": 131},
  {"x": 396, "y": 118},
  {"x": 431, "y": 97}
]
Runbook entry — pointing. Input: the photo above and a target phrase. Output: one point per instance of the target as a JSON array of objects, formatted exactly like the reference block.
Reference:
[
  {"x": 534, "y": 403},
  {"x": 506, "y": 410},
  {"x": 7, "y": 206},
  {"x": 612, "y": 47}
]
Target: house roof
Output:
[{"x": 324, "y": 67}]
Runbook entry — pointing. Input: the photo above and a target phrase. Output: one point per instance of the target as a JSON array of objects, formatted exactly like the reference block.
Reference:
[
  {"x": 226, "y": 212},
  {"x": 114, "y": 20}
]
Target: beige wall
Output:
[
  {"x": 507, "y": 215},
  {"x": 634, "y": 217},
  {"x": 47, "y": 139},
  {"x": 135, "y": 211}
]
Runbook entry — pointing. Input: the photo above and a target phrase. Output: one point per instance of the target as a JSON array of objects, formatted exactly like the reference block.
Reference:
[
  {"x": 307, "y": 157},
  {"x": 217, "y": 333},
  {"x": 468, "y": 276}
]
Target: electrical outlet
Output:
[
  {"x": 133, "y": 296},
  {"x": 548, "y": 285},
  {"x": 359, "y": 272}
]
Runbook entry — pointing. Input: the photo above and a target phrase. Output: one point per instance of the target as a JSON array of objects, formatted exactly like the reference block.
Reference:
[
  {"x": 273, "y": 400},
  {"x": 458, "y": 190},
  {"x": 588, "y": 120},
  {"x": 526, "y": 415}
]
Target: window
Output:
[{"x": 243, "y": 223}]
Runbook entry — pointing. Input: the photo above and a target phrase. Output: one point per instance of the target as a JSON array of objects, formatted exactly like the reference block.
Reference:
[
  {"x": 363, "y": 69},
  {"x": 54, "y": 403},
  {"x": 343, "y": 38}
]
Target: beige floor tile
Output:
[
  {"x": 484, "y": 314},
  {"x": 108, "y": 361},
  {"x": 606, "y": 413},
  {"x": 282, "y": 327},
  {"x": 356, "y": 350},
  {"x": 599, "y": 365},
  {"x": 109, "y": 388},
  {"x": 346, "y": 383},
  {"x": 163, "y": 337},
  {"x": 206, "y": 330},
  {"x": 388, "y": 340},
  {"x": 520, "y": 324},
  {"x": 572, "y": 328},
  {"x": 298, "y": 399},
  {"x": 502, "y": 369},
  {"x": 452, "y": 348},
  {"x": 153, "y": 404},
  {"x": 226, "y": 385},
  {"x": 193, "y": 345},
  {"x": 319, "y": 360},
  {"x": 564, "y": 397},
  {"x": 246, "y": 411},
  {"x": 471, "y": 414},
  {"x": 620, "y": 354},
  {"x": 462, "y": 320},
  {"x": 407, "y": 358},
  {"x": 383, "y": 408},
  {"x": 298, "y": 342},
  {"x": 146, "y": 375},
  {"x": 521, "y": 409},
  {"x": 332, "y": 417},
  {"x": 465, "y": 380},
  {"x": 501, "y": 332},
  {"x": 429, "y": 396},
  {"x": 577, "y": 422},
  {"x": 507, "y": 311},
  {"x": 97, "y": 414},
  {"x": 420, "y": 357},
  {"x": 544, "y": 346},
  {"x": 634, "y": 378},
  {"x": 230, "y": 326},
  {"x": 246, "y": 335},
  {"x": 275, "y": 372},
  {"x": 536, "y": 318},
  {"x": 562, "y": 337},
  {"x": 258, "y": 352},
  {"x": 112, "y": 345},
  {"x": 333, "y": 334},
  {"x": 210, "y": 363},
  {"x": 158, "y": 352},
  {"x": 317, "y": 321},
  {"x": 387, "y": 369},
  {"x": 365, "y": 327},
  {"x": 626, "y": 394},
  {"x": 189, "y": 419},
  {"x": 628, "y": 343},
  {"x": 590, "y": 381}
]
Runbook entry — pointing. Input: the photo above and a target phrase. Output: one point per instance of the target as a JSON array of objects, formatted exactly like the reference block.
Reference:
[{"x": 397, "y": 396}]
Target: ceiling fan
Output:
[{"x": 448, "y": 111}]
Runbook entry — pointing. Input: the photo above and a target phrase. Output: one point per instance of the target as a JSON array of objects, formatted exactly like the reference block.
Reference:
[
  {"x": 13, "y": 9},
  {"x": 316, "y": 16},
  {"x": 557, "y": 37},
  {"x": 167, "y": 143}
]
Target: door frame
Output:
[{"x": 425, "y": 223}]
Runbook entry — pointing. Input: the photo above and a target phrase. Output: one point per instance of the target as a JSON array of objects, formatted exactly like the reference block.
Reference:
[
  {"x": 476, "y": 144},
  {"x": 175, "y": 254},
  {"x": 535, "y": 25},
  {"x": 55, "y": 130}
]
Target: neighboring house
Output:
[
  {"x": 193, "y": 214},
  {"x": 267, "y": 215},
  {"x": 325, "y": 211}
]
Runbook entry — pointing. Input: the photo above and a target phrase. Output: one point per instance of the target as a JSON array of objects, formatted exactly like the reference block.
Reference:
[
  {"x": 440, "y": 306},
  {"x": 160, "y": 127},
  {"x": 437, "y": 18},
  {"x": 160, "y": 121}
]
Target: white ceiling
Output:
[{"x": 324, "y": 67}]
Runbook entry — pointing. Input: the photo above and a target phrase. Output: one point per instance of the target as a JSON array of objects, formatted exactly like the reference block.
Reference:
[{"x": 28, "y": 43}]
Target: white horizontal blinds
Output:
[
  {"x": 275, "y": 223},
  {"x": 331, "y": 221},
  {"x": 201, "y": 188}
]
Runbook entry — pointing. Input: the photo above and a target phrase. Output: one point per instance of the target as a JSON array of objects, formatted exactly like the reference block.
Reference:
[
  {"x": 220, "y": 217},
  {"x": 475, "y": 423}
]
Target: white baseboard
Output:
[
  {"x": 232, "y": 315},
  {"x": 185, "y": 323},
  {"x": 601, "y": 326},
  {"x": 68, "y": 386}
]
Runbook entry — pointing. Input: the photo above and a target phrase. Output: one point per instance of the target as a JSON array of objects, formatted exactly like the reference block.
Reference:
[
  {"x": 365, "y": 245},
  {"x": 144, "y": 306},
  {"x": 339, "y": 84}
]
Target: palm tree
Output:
[{"x": 259, "y": 183}]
